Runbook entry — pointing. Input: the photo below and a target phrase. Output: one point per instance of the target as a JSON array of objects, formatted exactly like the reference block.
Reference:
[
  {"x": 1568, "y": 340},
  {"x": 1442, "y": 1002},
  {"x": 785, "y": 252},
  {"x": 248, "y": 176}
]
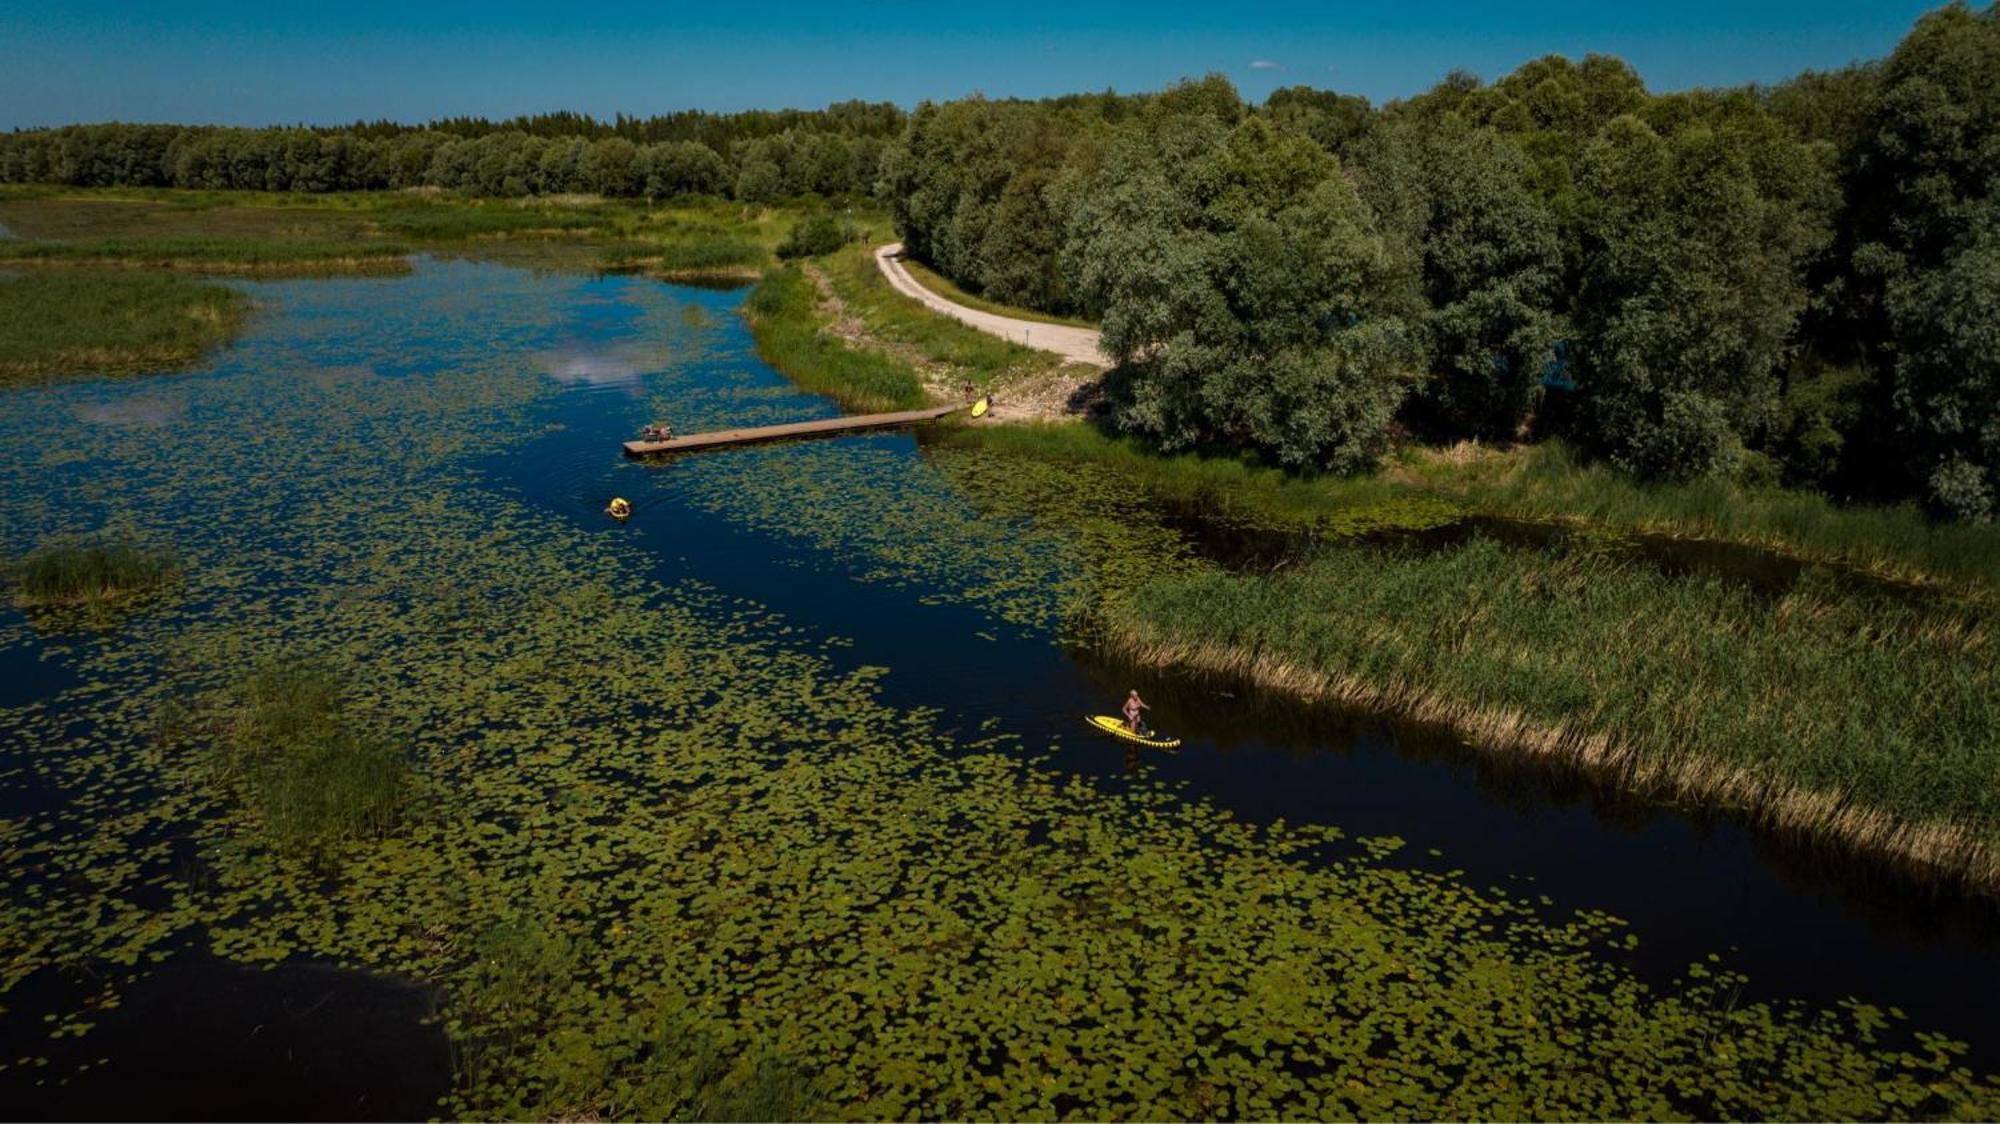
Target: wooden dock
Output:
[{"x": 827, "y": 427}]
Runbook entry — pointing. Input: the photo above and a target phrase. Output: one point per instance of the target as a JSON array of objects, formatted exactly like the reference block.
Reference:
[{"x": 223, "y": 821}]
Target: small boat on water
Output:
[{"x": 1106, "y": 724}]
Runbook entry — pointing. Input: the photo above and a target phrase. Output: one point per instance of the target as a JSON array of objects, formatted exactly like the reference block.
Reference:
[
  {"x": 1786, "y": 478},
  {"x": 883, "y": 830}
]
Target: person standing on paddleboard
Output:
[{"x": 1133, "y": 705}]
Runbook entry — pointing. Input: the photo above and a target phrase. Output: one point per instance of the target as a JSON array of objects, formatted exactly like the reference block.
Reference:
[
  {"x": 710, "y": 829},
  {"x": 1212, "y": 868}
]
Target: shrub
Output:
[
  {"x": 816, "y": 234},
  {"x": 77, "y": 573}
]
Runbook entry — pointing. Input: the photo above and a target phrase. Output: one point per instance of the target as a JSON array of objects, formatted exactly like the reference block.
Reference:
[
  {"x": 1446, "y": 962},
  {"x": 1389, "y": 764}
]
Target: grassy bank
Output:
[
  {"x": 265, "y": 232},
  {"x": 1544, "y": 482},
  {"x": 56, "y": 322},
  {"x": 890, "y": 317},
  {"x": 943, "y": 286},
  {"x": 783, "y": 312},
  {"x": 1551, "y": 481},
  {"x": 1874, "y": 723},
  {"x": 213, "y": 255}
]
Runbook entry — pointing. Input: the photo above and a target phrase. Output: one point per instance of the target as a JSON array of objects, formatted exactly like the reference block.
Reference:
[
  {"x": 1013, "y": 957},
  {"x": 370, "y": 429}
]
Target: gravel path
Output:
[{"x": 1078, "y": 345}]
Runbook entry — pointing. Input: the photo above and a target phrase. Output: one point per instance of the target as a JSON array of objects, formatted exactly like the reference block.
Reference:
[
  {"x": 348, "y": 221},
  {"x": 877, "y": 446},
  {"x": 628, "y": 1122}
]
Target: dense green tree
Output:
[
  {"x": 1485, "y": 248},
  {"x": 1694, "y": 249},
  {"x": 683, "y": 168},
  {"x": 1947, "y": 371},
  {"x": 1244, "y": 290},
  {"x": 1337, "y": 121}
]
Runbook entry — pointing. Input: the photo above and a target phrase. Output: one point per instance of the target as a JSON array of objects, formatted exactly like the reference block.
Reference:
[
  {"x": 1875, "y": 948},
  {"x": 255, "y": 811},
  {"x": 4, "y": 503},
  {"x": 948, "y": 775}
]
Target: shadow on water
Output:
[{"x": 199, "y": 1038}]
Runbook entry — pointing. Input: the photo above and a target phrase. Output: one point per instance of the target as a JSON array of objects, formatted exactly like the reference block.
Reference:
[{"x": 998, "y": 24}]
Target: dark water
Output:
[
  {"x": 1799, "y": 924},
  {"x": 204, "y": 1038}
]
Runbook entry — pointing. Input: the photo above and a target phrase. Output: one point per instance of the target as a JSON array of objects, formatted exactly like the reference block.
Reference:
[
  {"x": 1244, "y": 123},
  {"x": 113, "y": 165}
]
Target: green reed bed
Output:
[
  {"x": 894, "y": 318},
  {"x": 79, "y": 573},
  {"x": 213, "y": 254},
  {"x": 314, "y": 779},
  {"x": 782, "y": 310},
  {"x": 462, "y": 220},
  {"x": 1552, "y": 481},
  {"x": 1546, "y": 482},
  {"x": 56, "y": 322},
  {"x": 713, "y": 832},
  {"x": 699, "y": 253},
  {"x": 1873, "y": 722},
  {"x": 1230, "y": 487}
]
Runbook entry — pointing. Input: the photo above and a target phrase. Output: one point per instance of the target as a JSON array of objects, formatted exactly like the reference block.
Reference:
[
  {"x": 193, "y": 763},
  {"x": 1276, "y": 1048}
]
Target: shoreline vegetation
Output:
[
  {"x": 833, "y": 325},
  {"x": 90, "y": 574},
  {"x": 111, "y": 281},
  {"x": 1792, "y": 711},
  {"x": 64, "y": 322}
]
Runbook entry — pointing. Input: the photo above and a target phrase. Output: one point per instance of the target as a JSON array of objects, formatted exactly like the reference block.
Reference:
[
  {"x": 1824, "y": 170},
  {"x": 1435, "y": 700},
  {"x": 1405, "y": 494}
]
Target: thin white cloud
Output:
[{"x": 1266, "y": 64}]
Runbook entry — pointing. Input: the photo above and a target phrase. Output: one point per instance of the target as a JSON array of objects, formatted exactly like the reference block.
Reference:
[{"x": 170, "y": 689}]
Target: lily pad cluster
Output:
[{"x": 675, "y": 858}]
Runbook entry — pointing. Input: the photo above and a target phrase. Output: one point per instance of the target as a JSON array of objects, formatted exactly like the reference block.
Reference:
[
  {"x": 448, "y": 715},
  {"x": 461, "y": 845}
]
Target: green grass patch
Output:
[
  {"x": 1888, "y": 705},
  {"x": 459, "y": 221},
  {"x": 1234, "y": 488},
  {"x": 892, "y": 317},
  {"x": 56, "y": 322},
  {"x": 782, "y": 310},
  {"x": 1546, "y": 482},
  {"x": 1551, "y": 481},
  {"x": 83, "y": 573},
  {"x": 943, "y": 286},
  {"x": 312, "y": 777},
  {"x": 211, "y": 254}
]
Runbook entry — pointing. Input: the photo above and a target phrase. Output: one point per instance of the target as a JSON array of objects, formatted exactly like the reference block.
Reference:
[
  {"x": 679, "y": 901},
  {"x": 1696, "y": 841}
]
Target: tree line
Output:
[
  {"x": 1798, "y": 283},
  {"x": 755, "y": 156}
]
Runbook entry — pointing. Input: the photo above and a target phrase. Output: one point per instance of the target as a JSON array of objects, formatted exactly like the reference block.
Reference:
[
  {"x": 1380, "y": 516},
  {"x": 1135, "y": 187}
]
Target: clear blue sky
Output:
[{"x": 329, "y": 62}]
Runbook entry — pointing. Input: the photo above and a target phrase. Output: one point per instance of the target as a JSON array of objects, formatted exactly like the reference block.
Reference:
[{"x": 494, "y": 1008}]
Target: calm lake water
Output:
[{"x": 873, "y": 552}]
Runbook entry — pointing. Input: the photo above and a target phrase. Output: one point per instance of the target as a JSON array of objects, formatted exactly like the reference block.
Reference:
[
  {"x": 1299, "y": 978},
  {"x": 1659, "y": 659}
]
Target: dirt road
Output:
[{"x": 1078, "y": 345}]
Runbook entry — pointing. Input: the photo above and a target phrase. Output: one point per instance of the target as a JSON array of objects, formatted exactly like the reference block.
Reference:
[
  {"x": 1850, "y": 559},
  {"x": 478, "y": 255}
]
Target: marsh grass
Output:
[
  {"x": 57, "y": 322},
  {"x": 1547, "y": 482},
  {"x": 1873, "y": 723},
  {"x": 1231, "y": 488},
  {"x": 214, "y": 255},
  {"x": 1552, "y": 481},
  {"x": 313, "y": 777},
  {"x": 449, "y": 221},
  {"x": 789, "y": 337},
  {"x": 86, "y": 574}
]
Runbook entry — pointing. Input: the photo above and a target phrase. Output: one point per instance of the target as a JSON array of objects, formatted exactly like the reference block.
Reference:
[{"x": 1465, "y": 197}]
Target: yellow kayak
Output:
[{"x": 1116, "y": 728}]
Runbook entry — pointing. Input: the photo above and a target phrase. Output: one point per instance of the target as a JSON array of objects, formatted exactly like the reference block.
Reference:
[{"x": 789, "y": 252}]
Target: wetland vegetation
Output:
[
  {"x": 719, "y": 812},
  {"x": 70, "y": 573},
  {"x": 685, "y": 857},
  {"x": 59, "y": 322}
]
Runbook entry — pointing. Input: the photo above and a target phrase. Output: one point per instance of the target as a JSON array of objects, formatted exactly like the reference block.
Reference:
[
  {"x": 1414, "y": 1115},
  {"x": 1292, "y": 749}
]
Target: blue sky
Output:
[{"x": 260, "y": 63}]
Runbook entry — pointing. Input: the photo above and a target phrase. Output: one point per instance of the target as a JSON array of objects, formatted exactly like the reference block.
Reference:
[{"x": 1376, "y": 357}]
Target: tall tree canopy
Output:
[{"x": 1245, "y": 288}]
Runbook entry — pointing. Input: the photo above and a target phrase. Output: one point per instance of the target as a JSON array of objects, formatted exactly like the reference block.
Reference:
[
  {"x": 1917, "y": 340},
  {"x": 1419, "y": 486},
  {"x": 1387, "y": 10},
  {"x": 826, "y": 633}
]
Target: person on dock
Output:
[
  {"x": 658, "y": 431},
  {"x": 1134, "y": 705}
]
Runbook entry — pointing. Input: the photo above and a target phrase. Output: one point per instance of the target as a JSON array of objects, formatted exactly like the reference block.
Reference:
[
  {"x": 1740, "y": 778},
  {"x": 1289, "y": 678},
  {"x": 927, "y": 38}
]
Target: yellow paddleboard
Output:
[
  {"x": 1116, "y": 728},
  {"x": 980, "y": 407}
]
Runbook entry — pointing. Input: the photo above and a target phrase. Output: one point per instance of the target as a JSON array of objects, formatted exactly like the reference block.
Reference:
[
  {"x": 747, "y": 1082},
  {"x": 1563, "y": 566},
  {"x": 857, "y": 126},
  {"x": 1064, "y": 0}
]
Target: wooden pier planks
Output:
[{"x": 822, "y": 428}]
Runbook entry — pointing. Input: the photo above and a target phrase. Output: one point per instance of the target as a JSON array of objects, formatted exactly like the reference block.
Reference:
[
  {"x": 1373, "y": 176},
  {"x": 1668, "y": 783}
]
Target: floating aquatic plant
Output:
[{"x": 685, "y": 861}]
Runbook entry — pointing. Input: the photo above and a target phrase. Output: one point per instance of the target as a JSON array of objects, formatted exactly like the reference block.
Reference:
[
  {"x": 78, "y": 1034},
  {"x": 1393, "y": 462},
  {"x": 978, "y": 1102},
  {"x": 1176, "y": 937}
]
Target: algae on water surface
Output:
[{"x": 671, "y": 829}]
